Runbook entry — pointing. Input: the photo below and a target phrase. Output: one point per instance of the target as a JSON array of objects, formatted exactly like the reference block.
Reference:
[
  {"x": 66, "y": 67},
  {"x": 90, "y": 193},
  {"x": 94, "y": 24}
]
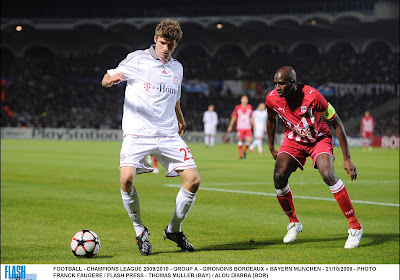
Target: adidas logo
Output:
[{"x": 164, "y": 72}]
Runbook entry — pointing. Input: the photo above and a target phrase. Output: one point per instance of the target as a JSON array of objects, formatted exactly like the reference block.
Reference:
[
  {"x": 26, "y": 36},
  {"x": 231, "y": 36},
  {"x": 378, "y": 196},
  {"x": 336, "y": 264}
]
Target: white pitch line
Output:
[
  {"x": 304, "y": 183},
  {"x": 295, "y": 196}
]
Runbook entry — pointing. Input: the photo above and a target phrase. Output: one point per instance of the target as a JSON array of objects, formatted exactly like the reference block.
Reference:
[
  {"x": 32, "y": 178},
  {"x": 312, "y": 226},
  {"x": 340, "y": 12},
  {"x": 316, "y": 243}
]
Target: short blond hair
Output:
[{"x": 169, "y": 29}]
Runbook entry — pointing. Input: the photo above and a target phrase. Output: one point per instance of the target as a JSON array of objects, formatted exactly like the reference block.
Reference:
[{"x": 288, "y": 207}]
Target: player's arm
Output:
[
  {"x": 265, "y": 126},
  {"x": 179, "y": 115},
  {"x": 230, "y": 126},
  {"x": 109, "y": 80},
  {"x": 271, "y": 130},
  {"x": 337, "y": 123}
]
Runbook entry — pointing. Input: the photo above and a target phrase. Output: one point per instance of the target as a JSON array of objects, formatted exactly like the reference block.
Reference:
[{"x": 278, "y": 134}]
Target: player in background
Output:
[
  {"x": 152, "y": 123},
  {"x": 153, "y": 161},
  {"x": 259, "y": 127},
  {"x": 210, "y": 120},
  {"x": 301, "y": 108},
  {"x": 367, "y": 130},
  {"x": 242, "y": 116}
]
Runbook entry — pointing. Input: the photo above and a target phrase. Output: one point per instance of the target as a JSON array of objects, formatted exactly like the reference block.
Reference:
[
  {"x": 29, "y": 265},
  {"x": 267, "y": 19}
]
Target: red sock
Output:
[
  {"x": 342, "y": 197},
  {"x": 246, "y": 147},
  {"x": 240, "y": 150},
  {"x": 155, "y": 162},
  {"x": 285, "y": 199}
]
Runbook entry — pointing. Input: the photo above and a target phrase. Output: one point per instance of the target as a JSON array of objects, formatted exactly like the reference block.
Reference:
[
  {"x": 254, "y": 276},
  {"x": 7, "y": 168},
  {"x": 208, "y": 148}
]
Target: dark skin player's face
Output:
[{"x": 283, "y": 84}]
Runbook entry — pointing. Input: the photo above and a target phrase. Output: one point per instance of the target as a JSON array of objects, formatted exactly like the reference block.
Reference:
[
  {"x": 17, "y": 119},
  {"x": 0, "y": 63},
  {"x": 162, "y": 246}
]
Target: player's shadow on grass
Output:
[
  {"x": 104, "y": 257},
  {"x": 368, "y": 240},
  {"x": 240, "y": 246}
]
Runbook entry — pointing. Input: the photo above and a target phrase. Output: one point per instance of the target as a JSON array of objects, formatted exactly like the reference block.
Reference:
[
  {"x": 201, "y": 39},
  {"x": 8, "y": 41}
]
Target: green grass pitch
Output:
[{"x": 52, "y": 189}]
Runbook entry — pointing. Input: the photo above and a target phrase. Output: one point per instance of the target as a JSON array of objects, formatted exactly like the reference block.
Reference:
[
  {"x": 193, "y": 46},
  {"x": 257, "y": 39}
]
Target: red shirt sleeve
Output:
[
  {"x": 235, "y": 113},
  {"x": 320, "y": 103},
  {"x": 270, "y": 111}
]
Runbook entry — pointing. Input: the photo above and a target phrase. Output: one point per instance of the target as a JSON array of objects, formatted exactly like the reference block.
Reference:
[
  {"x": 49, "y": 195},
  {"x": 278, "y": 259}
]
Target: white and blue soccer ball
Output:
[{"x": 85, "y": 243}]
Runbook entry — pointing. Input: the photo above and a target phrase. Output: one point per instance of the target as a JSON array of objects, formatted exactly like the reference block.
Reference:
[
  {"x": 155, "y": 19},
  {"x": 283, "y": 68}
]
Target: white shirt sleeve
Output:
[{"x": 128, "y": 67}]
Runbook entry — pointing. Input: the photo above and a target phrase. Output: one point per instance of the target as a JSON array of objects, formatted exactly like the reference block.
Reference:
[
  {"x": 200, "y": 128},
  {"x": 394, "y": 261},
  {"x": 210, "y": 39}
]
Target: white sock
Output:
[
  {"x": 212, "y": 140},
  {"x": 252, "y": 145},
  {"x": 132, "y": 207},
  {"x": 206, "y": 140},
  {"x": 184, "y": 202},
  {"x": 259, "y": 145}
]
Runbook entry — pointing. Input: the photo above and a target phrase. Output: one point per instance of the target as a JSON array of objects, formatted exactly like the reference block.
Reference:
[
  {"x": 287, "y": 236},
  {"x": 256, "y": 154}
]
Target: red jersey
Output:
[
  {"x": 302, "y": 116},
  {"x": 243, "y": 116},
  {"x": 367, "y": 124}
]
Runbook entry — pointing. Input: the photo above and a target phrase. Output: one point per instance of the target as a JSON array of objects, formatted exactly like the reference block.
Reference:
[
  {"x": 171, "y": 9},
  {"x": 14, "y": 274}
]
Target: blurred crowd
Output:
[{"x": 41, "y": 90}]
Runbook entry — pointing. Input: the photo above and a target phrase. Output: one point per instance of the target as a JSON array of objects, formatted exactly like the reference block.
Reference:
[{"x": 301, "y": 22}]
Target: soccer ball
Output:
[{"x": 85, "y": 243}]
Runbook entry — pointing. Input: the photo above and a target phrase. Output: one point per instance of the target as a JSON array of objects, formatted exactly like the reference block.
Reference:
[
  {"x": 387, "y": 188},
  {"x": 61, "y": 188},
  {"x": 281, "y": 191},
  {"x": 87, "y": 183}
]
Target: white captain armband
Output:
[{"x": 329, "y": 113}]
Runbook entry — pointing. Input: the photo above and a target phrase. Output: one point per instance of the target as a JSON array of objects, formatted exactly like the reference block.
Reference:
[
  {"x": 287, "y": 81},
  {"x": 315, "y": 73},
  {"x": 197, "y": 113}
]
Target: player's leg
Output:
[
  {"x": 206, "y": 140},
  {"x": 364, "y": 136},
  {"x": 240, "y": 148},
  {"x": 132, "y": 162},
  {"x": 130, "y": 199},
  {"x": 184, "y": 202},
  {"x": 284, "y": 166},
  {"x": 251, "y": 148},
  {"x": 259, "y": 145},
  {"x": 212, "y": 140},
  {"x": 325, "y": 165},
  {"x": 177, "y": 159},
  {"x": 155, "y": 165},
  {"x": 185, "y": 198},
  {"x": 290, "y": 157},
  {"x": 371, "y": 138},
  {"x": 248, "y": 139}
]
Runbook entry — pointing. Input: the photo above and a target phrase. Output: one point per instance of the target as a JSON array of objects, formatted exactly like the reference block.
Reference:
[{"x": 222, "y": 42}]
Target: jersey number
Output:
[{"x": 186, "y": 152}]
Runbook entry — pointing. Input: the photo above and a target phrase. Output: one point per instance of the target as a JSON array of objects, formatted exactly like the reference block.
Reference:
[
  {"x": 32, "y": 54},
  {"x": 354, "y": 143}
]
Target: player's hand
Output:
[
  {"x": 350, "y": 169},
  {"x": 182, "y": 128},
  {"x": 229, "y": 129},
  {"x": 117, "y": 78},
  {"x": 274, "y": 153}
]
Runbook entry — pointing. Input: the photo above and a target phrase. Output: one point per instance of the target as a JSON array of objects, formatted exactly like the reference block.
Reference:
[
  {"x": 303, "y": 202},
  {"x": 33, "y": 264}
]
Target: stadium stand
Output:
[{"x": 56, "y": 83}]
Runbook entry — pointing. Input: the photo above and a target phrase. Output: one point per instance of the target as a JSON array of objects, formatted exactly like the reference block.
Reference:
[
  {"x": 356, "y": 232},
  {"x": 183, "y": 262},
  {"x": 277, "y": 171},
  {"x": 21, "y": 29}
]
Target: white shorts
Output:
[
  {"x": 172, "y": 153},
  {"x": 259, "y": 133},
  {"x": 210, "y": 129}
]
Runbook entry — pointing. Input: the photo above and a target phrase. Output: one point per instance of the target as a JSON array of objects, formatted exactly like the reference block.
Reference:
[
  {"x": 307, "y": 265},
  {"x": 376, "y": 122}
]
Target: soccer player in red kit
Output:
[
  {"x": 367, "y": 129},
  {"x": 242, "y": 116},
  {"x": 301, "y": 108}
]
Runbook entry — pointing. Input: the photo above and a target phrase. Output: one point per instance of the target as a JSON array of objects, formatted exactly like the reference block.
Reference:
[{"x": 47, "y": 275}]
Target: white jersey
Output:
[
  {"x": 152, "y": 90},
  {"x": 260, "y": 119},
  {"x": 210, "y": 120}
]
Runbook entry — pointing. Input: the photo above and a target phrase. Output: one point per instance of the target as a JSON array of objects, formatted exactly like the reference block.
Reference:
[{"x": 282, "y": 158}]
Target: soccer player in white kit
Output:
[
  {"x": 259, "y": 127},
  {"x": 151, "y": 124},
  {"x": 210, "y": 120}
]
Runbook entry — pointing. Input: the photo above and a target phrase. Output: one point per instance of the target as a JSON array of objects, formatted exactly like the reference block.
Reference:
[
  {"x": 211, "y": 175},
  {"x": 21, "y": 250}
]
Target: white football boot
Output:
[
  {"x": 293, "y": 229},
  {"x": 354, "y": 238}
]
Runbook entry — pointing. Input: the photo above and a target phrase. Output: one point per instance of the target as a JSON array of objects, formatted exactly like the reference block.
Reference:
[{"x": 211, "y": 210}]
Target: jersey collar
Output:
[{"x": 152, "y": 51}]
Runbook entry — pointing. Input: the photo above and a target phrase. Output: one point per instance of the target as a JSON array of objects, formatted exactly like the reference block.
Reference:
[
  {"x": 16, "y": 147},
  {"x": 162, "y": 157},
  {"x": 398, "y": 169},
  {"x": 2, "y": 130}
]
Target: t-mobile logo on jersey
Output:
[
  {"x": 164, "y": 88},
  {"x": 148, "y": 86}
]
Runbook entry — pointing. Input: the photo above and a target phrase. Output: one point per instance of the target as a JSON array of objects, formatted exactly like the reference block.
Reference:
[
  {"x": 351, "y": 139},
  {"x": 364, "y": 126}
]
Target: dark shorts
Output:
[{"x": 300, "y": 151}]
